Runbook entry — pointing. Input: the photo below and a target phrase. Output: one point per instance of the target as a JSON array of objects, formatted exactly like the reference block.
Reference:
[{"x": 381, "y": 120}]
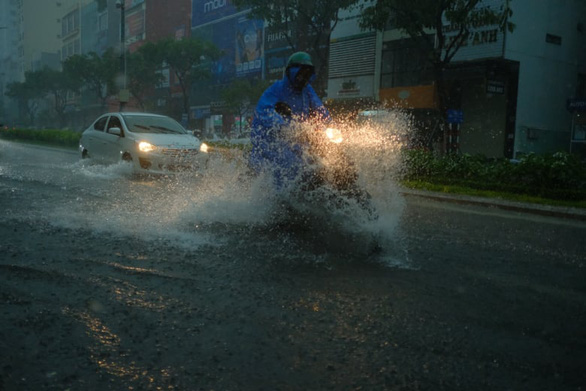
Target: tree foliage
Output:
[
  {"x": 419, "y": 18},
  {"x": 428, "y": 22},
  {"x": 241, "y": 96},
  {"x": 58, "y": 84},
  {"x": 144, "y": 75},
  {"x": 306, "y": 24},
  {"x": 439, "y": 27},
  {"x": 189, "y": 59},
  {"x": 28, "y": 94},
  {"x": 96, "y": 73}
]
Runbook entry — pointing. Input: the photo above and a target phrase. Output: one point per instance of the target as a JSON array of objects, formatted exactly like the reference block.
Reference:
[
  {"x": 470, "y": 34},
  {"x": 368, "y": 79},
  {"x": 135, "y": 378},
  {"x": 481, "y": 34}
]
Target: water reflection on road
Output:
[
  {"x": 195, "y": 208},
  {"x": 183, "y": 283}
]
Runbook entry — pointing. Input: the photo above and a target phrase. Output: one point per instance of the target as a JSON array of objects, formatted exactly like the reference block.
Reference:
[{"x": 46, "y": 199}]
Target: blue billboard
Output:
[
  {"x": 248, "y": 46},
  {"x": 220, "y": 34},
  {"x": 205, "y": 11},
  {"x": 239, "y": 39}
]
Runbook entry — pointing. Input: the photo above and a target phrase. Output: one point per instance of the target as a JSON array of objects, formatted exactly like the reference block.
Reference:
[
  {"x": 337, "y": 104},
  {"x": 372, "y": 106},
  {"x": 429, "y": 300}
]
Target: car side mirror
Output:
[{"x": 117, "y": 131}]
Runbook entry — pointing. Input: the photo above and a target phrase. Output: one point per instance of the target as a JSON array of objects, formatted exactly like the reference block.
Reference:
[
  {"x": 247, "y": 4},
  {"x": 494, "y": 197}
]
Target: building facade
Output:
[
  {"x": 509, "y": 89},
  {"x": 242, "y": 42},
  {"x": 513, "y": 92},
  {"x": 42, "y": 30},
  {"x": 549, "y": 44},
  {"x": 12, "y": 64},
  {"x": 163, "y": 21}
]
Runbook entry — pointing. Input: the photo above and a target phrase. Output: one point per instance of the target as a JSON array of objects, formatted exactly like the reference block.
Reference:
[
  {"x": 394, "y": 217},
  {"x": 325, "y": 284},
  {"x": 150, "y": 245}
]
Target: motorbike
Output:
[{"x": 329, "y": 178}]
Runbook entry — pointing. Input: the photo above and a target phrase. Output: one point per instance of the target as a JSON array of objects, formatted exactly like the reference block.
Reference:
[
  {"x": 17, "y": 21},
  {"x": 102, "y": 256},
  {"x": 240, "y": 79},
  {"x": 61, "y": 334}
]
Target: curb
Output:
[{"x": 543, "y": 210}]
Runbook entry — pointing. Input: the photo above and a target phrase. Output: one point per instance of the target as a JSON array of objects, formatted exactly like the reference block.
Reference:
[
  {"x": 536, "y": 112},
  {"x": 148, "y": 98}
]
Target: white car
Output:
[{"x": 152, "y": 143}]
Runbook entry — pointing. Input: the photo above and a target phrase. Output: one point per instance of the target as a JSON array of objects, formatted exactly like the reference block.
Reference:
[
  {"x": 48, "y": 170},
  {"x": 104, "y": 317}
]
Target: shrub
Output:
[
  {"x": 49, "y": 136},
  {"x": 559, "y": 175},
  {"x": 558, "y": 170}
]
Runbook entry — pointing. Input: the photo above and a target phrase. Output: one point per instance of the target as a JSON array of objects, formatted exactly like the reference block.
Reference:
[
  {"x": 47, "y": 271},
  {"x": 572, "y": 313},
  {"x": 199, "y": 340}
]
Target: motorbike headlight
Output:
[
  {"x": 204, "y": 147},
  {"x": 334, "y": 135},
  {"x": 146, "y": 146}
]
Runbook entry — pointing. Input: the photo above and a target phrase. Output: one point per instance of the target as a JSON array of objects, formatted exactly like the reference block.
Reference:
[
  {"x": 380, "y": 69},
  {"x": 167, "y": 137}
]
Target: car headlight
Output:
[
  {"x": 334, "y": 135},
  {"x": 204, "y": 147},
  {"x": 146, "y": 147}
]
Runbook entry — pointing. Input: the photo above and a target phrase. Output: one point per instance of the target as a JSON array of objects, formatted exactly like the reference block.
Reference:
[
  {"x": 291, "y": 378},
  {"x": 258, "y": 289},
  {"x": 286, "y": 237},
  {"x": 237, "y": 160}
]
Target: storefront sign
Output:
[
  {"x": 483, "y": 41},
  {"x": 200, "y": 112},
  {"x": 576, "y": 104},
  {"x": 414, "y": 97},
  {"x": 495, "y": 87},
  {"x": 455, "y": 116},
  {"x": 351, "y": 87},
  {"x": 205, "y": 11}
]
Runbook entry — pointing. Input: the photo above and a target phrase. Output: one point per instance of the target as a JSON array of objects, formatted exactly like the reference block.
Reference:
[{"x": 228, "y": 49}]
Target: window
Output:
[
  {"x": 103, "y": 22},
  {"x": 100, "y": 124},
  {"x": 352, "y": 57},
  {"x": 554, "y": 39},
  {"x": 404, "y": 64},
  {"x": 76, "y": 19},
  {"x": 70, "y": 49},
  {"x": 114, "y": 123},
  {"x": 69, "y": 23},
  {"x": 581, "y": 86}
]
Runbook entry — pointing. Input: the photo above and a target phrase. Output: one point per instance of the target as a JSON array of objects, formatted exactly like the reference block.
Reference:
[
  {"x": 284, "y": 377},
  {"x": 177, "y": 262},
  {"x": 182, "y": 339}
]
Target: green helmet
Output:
[{"x": 299, "y": 58}]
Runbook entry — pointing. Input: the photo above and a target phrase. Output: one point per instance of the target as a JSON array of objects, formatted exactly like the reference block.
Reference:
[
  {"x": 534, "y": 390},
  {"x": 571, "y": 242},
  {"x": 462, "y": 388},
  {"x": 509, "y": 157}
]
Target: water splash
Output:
[
  {"x": 224, "y": 202},
  {"x": 326, "y": 221}
]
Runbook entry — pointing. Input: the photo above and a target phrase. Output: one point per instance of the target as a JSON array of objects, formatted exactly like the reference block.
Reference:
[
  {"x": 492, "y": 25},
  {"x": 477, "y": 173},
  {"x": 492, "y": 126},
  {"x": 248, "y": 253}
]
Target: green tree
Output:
[
  {"x": 28, "y": 94},
  {"x": 189, "y": 60},
  {"x": 307, "y": 25},
  {"x": 144, "y": 75},
  {"x": 241, "y": 96},
  {"x": 96, "y": 73},
  {"x": 440, "y": 28},
  {"x": 58, "y": 84}
]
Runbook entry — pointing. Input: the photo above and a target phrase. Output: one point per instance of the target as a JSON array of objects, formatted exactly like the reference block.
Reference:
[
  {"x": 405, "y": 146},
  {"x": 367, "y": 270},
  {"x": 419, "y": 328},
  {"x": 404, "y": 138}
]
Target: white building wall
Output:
[
  {"x": 353, "y": 59},
  {"x": 548, "y": 70}
]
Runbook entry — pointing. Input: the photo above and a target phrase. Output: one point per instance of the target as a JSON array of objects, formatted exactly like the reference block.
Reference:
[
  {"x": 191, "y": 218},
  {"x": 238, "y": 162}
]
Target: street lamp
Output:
[{"x": 123, "y": 96}]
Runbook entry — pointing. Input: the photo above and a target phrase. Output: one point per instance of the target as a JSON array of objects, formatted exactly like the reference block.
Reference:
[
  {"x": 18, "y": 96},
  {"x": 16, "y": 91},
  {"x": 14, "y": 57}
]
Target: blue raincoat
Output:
[{"x": 270, "y": 151}]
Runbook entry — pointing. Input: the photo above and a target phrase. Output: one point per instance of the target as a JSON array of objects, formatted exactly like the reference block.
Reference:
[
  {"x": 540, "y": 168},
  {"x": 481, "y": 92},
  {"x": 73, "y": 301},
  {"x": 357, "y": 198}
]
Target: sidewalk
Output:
[{"x": 544, "y": 210}]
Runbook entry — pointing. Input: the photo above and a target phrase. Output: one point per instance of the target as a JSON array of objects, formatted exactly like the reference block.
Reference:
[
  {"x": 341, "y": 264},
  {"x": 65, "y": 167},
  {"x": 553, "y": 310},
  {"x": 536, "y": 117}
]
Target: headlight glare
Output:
[
  {"x": 144, "y": 146},
  {"x": 204, "y": 147},
  {"x": 334, "y": 135}
]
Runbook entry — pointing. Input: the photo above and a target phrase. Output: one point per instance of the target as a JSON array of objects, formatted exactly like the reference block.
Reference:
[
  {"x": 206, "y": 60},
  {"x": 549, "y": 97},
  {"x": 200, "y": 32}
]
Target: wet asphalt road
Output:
[{"x": 95, "y": 295}]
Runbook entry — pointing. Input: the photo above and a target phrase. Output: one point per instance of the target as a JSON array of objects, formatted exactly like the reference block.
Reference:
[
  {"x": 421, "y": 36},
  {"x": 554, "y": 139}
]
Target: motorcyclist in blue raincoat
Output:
[{"x": 270, "y": 150}]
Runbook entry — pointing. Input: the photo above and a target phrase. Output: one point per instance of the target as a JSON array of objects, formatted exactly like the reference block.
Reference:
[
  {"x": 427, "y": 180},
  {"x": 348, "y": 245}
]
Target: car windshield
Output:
[{"x": 153, "y": 124}]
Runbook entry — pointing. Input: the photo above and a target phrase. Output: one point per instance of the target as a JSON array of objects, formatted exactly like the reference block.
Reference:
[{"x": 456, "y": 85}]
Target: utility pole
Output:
[{"x": 123, "y": 95}]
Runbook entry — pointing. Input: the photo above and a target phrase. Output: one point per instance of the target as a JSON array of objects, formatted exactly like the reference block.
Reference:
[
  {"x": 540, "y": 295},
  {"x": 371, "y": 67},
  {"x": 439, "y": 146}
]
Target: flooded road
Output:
[{"x": 114, "y": 282}]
